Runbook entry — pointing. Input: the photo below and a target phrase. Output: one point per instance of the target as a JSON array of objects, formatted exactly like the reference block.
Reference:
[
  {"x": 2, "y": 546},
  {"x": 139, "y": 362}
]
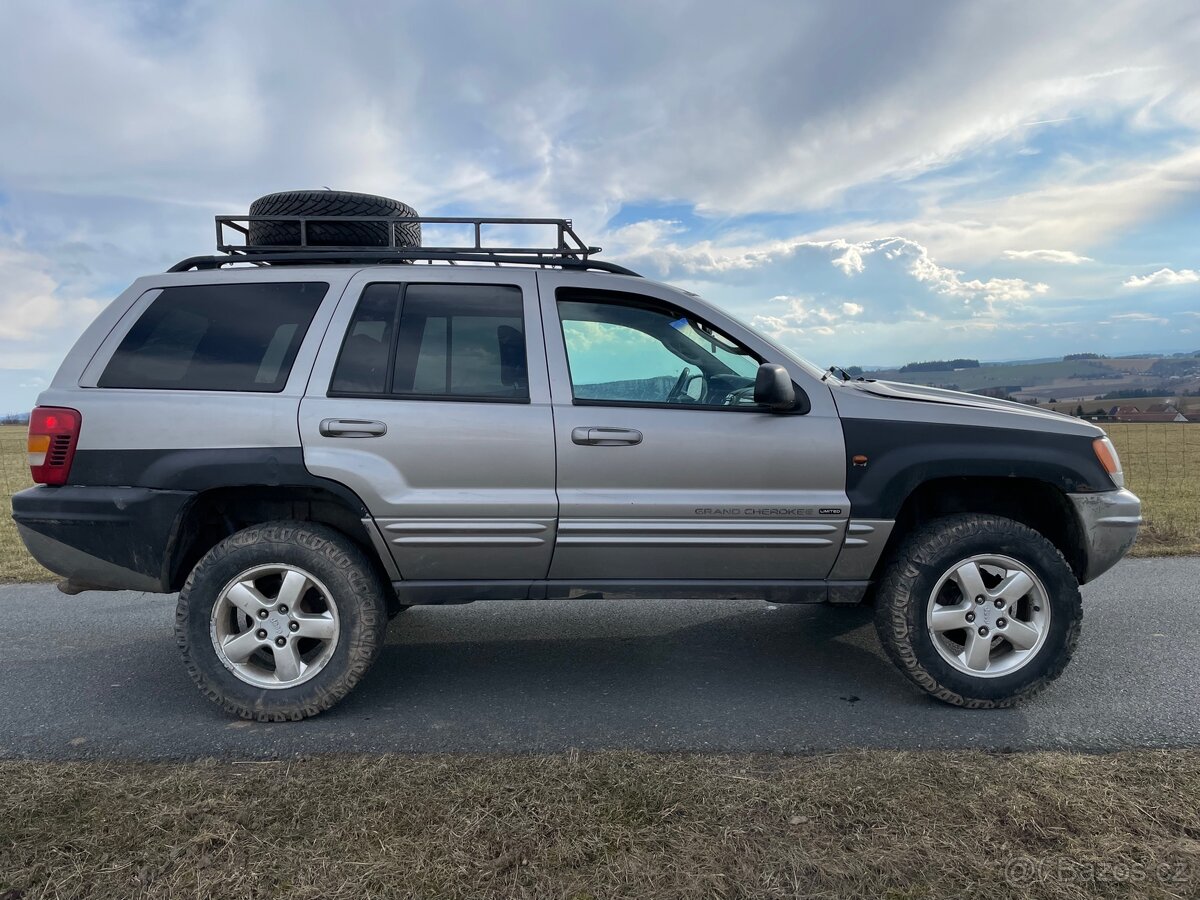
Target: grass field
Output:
[
  {"x": 15, "y": 563},
  {"x": 585, "y": 826},
  {"x": 1003, "y": 375},
  {"x": 1162, "y": 465}
]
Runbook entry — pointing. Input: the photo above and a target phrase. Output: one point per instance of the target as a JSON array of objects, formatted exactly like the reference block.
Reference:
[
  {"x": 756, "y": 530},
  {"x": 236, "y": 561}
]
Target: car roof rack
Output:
[{"x": 570, "y": 252}]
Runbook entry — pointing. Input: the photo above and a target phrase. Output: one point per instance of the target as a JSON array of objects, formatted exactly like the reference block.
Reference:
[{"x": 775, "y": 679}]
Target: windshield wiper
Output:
[{"x": 844, "y": 375}]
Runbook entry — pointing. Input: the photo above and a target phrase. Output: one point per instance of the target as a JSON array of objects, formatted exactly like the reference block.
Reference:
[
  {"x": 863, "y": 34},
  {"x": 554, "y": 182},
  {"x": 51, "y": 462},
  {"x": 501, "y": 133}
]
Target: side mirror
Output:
[{"x": 773, "y": 388}]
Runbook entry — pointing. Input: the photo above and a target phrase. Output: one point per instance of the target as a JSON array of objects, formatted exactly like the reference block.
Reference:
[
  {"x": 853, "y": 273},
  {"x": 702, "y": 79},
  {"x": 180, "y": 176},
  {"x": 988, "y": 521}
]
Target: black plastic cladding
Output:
[
  {"x": 203, "y": 470},
  {"x": 903, "y": 455}
]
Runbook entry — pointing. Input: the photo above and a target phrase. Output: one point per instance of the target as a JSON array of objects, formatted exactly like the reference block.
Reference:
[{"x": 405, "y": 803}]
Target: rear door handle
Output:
[
  {"x": 602, "y": 436},
  {"x": 352, "y": 428}
]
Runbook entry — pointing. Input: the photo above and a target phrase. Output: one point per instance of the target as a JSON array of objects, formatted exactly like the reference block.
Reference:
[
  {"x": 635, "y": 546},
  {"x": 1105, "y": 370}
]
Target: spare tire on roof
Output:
[{"x": 331, "y": 234}]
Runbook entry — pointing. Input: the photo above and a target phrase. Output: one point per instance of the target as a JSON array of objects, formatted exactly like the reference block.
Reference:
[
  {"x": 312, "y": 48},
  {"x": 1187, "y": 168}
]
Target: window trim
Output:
[
  {"x": 395, "y": 344},
  {"x": 443, "y": 398},
  {"x": 653, "y": 304}
]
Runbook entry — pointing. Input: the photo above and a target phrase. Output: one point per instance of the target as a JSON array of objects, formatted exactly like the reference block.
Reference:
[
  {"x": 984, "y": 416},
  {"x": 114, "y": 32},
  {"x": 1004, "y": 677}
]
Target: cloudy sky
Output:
[{"x": 872, "y": 183}]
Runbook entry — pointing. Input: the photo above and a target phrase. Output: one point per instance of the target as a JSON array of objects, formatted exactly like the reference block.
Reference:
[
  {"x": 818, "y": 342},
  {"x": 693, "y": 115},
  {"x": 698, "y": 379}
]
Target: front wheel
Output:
[
  {"x": 280, "y": 621},
  {"x": 979, "y": 611}
]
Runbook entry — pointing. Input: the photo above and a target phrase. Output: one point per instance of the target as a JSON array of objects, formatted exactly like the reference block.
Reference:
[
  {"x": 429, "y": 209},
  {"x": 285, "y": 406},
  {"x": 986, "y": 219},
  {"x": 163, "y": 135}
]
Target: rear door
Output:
[
  {"x": 430, "y": 399},
  {"x": 666, "y": 468}
]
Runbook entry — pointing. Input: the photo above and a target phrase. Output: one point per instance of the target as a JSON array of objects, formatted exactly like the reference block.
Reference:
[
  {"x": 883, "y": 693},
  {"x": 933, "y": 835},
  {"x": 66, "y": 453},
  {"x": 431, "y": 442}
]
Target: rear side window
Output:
[
  {"x": 436, "y": 341},
  {"x": 216, "y": 337}
]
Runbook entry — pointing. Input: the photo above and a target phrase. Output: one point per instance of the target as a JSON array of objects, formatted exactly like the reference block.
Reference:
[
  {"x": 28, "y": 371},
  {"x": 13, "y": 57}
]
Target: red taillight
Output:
[{"x": 53, "y": 434}]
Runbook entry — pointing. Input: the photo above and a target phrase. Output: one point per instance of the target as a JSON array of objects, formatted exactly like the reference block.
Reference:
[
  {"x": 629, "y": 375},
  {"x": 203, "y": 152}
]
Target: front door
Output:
[
  {"x": 666, "y": 467},
  {"x": 429, "y": 399}
]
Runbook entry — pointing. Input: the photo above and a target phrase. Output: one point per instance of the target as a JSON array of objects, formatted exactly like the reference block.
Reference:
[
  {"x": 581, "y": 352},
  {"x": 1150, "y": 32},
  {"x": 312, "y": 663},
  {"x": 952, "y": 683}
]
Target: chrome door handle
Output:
[
  {"x": 352, "y": 428},
  {"x": 603, "y": 436}
]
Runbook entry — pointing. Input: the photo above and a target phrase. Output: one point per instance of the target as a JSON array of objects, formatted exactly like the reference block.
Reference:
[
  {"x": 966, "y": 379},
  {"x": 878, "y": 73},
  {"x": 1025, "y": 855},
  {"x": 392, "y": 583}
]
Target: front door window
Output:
[{"x": 633, "y": 352}]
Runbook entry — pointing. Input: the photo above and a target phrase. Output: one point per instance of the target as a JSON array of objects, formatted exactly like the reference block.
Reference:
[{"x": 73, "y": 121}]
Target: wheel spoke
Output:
[
  {"x": 948, "y": 618},
  {"x": 239, "y": 649},
  {"x": 1021, "y": 634},
  {"x": 246, "y": 597},
  {"x": 319, "y": 625},
  {"x": 970, "y": 581},
  {"x": 287, "y": 662},
  {"x": 293, "y": 588},
  {"x": 977, "y": 651},
  {"x": 1014, "y": 586}
]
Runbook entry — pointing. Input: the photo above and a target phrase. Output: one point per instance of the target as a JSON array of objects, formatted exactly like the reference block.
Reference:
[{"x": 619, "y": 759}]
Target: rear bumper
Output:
[
  {"x": 107, "y": 537},
  {"x": 1110, "y": 521}
]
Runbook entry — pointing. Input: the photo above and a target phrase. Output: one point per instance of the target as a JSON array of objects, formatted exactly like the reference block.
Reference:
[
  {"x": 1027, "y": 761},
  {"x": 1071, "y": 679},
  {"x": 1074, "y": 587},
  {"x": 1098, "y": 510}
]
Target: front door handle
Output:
[
  {"x": 603, "y": 436},
  {"x": 352, "y": 428}
]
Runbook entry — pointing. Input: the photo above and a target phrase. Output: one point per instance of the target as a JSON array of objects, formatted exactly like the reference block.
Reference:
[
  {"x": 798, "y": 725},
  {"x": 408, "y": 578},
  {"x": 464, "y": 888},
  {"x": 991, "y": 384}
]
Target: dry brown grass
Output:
[
  {"x": 15, "y": 563},
  {"x": 1162, "y": 466},
  {"x": 869, "y": 824}
]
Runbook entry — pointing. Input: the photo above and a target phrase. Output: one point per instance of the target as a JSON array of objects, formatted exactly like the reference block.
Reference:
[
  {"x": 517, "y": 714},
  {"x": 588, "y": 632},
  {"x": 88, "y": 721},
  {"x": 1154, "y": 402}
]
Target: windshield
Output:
[{"x": 790, "y": 356}]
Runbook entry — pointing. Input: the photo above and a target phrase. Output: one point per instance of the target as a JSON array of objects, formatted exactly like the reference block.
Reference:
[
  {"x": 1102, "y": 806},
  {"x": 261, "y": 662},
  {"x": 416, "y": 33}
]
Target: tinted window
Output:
[
  {"x": 454, "y": 341},
  {"x": 635, "y": 350},
  {"x": 216, "y": 337},
  {"x": 363, "y": 365}
]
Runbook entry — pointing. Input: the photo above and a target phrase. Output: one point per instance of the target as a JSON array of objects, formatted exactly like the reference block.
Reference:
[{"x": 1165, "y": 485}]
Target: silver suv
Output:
[{"x": 314, "y": 430}]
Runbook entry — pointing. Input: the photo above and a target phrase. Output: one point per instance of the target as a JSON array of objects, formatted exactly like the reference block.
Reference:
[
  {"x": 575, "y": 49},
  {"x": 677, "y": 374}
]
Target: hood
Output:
[{"x": 898, "y": 391}]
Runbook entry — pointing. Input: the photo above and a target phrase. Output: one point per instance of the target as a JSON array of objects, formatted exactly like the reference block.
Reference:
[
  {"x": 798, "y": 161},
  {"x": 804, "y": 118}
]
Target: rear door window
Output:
[
  {"x": 436, "y": 341},
  {"x": 216, "y": 337}
]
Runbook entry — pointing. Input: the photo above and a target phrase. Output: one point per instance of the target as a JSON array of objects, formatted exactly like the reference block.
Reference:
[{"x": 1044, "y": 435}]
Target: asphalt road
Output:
[{"x": 98, "y": 676}]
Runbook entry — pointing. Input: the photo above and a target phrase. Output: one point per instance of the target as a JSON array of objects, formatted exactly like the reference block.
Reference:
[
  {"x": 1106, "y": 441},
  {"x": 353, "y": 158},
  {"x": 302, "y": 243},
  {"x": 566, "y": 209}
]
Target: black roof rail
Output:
[
  {"x": 394, "y": 257},
  {"x": 569, "y": 252}
]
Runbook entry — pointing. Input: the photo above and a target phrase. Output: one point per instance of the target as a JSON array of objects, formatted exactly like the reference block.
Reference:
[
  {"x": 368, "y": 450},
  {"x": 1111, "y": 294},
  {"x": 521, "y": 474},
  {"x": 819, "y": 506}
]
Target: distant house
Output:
[
  {"x": 1150, "y": 417},
  {"x": 1156, "y": 412}
]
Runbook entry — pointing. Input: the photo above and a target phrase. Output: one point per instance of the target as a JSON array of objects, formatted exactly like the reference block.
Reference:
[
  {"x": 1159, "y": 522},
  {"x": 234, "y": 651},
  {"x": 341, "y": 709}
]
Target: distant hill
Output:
[
  {"x": 941, "y": 365},
  {"x": 1083, "y": 376}
]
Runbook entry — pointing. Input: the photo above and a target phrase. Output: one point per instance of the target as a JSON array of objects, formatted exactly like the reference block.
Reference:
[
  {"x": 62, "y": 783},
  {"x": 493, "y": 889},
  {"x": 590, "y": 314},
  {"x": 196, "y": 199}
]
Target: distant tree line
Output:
[
  {"x": 940, "y": 365},
  {"x": 1134, "y": 394},
  {"x": 1071, "y": 357},
  {"x": 14, "y": 419}
]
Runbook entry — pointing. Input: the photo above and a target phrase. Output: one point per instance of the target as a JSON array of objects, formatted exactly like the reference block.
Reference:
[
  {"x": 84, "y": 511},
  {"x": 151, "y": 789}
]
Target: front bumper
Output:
[
  {"x": 1109, "y": 521},
  {"x": 105, "y": 537}
]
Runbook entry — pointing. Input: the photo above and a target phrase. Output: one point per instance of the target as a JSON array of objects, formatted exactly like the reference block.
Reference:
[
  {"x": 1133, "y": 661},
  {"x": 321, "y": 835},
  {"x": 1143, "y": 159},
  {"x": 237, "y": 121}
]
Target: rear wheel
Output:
[
  {"x": 280, "y": 621},
  {"x": 979, "y": 611}
]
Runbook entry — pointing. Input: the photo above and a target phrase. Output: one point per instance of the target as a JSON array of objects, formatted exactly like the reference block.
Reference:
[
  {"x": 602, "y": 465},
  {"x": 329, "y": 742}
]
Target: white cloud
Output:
[
  {"x": 1138, "y": 317},
  {"x": 1048, "y": 256},
  {"x": 651, "y": 244},
  {"x": 525, "y": 119},
  {"x": 801, "y": 316},
  {"x": 35, "y": 310},
  {"x": 1163, "y": 278},
  {"x": 852, "y": 309}
]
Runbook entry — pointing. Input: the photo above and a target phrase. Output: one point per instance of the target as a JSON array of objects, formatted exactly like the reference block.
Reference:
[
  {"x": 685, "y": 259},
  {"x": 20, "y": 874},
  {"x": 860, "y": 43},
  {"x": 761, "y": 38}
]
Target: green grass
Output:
[
  {"x": 1162, "y": 465},
  {"x": 607, "y": 825}
]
